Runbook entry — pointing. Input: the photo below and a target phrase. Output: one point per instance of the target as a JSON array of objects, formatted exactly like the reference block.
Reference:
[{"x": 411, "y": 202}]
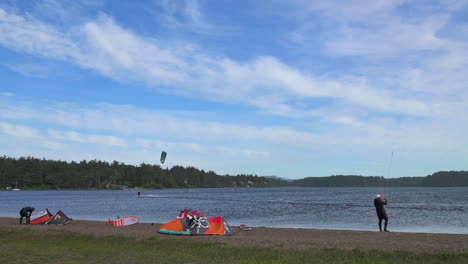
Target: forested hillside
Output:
[
  {"x": 33, "y": 173},
  {"x": 439, "y": 179},
  {"x": 50, "y": 174}
]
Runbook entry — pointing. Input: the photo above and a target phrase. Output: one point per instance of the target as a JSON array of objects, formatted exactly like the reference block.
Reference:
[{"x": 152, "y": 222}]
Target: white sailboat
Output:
[{"x": 16, "y": 187}]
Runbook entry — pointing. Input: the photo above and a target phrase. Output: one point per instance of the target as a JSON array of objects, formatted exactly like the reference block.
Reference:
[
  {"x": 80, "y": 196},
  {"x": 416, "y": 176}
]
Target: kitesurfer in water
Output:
[
  {"x": 379, "y": 203},
  {"x": 26, "y": 212}
]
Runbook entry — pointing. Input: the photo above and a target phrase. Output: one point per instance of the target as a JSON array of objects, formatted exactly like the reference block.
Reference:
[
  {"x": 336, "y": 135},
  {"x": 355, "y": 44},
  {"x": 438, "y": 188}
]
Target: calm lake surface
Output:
[{"x": 431, "y": 210}]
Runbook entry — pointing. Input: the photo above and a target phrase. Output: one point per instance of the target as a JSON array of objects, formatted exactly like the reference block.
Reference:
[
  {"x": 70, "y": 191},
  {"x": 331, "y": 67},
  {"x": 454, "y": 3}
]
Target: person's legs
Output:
[
  {"x": 386, "y": 223},
  {"x": 380, "y": 224},
  {"x": 21, "y": 217}
]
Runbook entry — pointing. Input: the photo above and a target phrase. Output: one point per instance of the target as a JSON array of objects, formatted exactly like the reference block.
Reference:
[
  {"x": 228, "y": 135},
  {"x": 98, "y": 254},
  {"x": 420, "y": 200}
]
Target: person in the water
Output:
[{"x": 379, "y": 203}]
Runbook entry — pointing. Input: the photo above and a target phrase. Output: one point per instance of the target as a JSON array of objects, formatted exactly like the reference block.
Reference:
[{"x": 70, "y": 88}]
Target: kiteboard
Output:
[
  {"x": 245, "y": 227},
  {"x": 125, "y": 221}
]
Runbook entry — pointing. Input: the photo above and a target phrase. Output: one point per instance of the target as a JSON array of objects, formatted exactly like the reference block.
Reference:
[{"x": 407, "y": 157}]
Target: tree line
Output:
[
  {"x": 438, "y": 179},
  {"x": 33, "y": 173}
]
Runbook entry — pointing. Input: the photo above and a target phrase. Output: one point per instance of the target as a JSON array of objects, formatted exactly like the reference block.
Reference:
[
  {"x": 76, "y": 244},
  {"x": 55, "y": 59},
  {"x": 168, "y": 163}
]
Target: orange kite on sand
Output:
[{"x": 192, "y": 223}]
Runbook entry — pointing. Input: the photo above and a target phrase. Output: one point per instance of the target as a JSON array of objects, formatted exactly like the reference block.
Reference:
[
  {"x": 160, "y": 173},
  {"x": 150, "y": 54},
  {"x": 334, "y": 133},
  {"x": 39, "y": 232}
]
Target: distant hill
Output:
[
  {"x": 279, "y": 178},
  {"x": 438, "y": 179}
]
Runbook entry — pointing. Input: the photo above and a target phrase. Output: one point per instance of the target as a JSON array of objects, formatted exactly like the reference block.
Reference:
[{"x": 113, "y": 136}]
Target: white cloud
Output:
[
  {"x": 91, "y": 133},
  {"x": 70, "y": 140},
  {"x": 376, "y": 29},
  {"x": 415, "y": 63},
  {"x": 31, "y": 69},
  {"x": 114, "y": 125},
  {"x": 22, "y": 136},
  {"x": 196, "y": 16},
  {"x": 53, "y": 145},
  {"x": 18, "y": 131},
  {"x": 106, "y": 140},
  {"x": 455, "y": 4},
  {"x": 201, "y": 149},
  {"x": 64, "y": 12},
  {"x": 7, "y": 94},
  {"x": 68, "y": 136},
  {"x": 189, "y": 15},
  {"x": 250, "y": 154},
  {"x": 390, "y": 38},
  {"x": 118, "y": 53},
  {"x": 129, "y": 120},
  {"x": 354, "y": 10},
  {"x": 31, "y": 36},
  {"x": 124, "y": 56}
]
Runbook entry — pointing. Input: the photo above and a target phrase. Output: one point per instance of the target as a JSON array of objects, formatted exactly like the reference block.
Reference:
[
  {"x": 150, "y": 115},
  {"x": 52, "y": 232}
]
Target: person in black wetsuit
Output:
[
  {"x": 379, "y": 203},
  {"x": 26, "y": 212}
]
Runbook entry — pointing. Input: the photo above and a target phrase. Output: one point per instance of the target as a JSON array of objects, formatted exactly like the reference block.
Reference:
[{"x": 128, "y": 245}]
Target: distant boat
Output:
[{"x": 16, "y": 187}]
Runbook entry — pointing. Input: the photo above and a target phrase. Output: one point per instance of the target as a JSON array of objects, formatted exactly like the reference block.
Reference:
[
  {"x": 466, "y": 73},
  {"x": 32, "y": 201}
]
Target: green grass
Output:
[{"x": 26, "y": 246}]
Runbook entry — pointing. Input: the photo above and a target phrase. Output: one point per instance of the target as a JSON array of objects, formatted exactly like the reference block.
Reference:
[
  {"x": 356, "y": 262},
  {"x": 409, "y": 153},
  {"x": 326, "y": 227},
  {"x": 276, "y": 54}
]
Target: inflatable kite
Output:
[
  {"x": 192, "y": 223},
  {"x": 40, "y": 217},
  {"x": 163, "y": 156},
  {"x": 45, "y": 217},
  {"x": 60, "y": 218}
]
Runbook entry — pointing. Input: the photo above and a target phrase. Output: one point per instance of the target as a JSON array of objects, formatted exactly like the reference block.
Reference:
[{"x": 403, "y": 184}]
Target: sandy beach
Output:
[{"x": 274, "y": 237}]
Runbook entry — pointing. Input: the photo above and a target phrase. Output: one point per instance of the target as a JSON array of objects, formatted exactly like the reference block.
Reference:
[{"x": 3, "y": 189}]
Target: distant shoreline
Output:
[
  {"x": 275, "y": 187},
  {"x": 291, "y": 238},
  {"x": 44, "y": 174}
]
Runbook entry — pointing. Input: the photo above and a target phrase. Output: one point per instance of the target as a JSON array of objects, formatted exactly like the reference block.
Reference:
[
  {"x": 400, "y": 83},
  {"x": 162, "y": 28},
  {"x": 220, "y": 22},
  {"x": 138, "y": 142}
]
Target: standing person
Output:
[
  {"x": 26, "y": 212},
  {"x": 379, "y": 203}
]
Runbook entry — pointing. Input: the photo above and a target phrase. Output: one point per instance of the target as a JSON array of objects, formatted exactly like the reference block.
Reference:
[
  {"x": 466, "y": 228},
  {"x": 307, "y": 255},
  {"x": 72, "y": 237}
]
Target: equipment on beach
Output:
[
  {"x": 40, "y": 217},
  {"x": 125, "y": 221},
  {"x": 189, "y": 213},
  {"x": 245, "y": 228},
  {"x": 191, "y": 223},
  {"x": 60, "y": 218}
]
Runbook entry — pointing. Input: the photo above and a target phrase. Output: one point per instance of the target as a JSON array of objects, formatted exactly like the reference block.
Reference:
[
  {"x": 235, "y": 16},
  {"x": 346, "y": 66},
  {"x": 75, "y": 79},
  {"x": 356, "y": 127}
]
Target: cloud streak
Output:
[{"x": 120, "y": 54}]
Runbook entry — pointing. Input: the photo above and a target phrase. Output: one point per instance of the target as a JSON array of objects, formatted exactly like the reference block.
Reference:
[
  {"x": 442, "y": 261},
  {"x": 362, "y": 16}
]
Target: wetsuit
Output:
[
  {"x": 381, "y": 213},
  {"x": 25, "y": 212}
]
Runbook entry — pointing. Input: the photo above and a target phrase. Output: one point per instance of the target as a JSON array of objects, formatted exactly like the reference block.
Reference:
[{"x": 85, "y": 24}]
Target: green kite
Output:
[{"x": 163, "y": 156}]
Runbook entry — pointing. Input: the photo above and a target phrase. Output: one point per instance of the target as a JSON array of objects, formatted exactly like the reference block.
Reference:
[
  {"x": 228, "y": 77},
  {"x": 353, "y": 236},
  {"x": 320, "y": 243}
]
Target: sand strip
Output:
[{"x": 275, "y": 237}]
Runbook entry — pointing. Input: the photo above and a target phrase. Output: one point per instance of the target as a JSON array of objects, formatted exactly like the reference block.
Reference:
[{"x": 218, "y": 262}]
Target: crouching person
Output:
[{"x": 26, "y": 213}]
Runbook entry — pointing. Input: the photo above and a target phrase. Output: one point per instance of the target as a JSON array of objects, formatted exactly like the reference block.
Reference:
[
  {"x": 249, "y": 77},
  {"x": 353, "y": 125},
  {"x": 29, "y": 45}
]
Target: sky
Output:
[{"x": 294, "y": 89}]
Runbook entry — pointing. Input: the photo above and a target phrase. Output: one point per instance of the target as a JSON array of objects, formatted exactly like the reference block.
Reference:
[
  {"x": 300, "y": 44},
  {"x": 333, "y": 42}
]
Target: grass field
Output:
[{"x": 26, "y": 246}]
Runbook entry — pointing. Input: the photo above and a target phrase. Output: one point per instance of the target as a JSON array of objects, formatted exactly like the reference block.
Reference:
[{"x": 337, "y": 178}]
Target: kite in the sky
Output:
[{"x": 163, "y": 156}]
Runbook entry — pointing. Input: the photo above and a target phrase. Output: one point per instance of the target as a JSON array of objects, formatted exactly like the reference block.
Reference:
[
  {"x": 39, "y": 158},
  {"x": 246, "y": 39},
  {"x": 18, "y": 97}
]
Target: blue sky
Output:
[{"x": 288, "y": 88}]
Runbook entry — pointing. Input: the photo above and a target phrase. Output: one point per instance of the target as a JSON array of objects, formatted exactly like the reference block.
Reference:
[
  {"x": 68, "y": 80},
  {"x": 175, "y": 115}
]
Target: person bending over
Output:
[
  {"x": 26, "y": 213},
  {"x": 379, "y": 203}
]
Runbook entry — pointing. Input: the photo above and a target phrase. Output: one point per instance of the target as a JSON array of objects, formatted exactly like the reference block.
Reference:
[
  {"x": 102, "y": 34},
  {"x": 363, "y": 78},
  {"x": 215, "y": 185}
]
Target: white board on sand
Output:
[{"x": 126, "y": 221}]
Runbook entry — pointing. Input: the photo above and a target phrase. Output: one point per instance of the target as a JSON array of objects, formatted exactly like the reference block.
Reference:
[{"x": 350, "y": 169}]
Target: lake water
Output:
[{"x": 431, "y": 210}]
